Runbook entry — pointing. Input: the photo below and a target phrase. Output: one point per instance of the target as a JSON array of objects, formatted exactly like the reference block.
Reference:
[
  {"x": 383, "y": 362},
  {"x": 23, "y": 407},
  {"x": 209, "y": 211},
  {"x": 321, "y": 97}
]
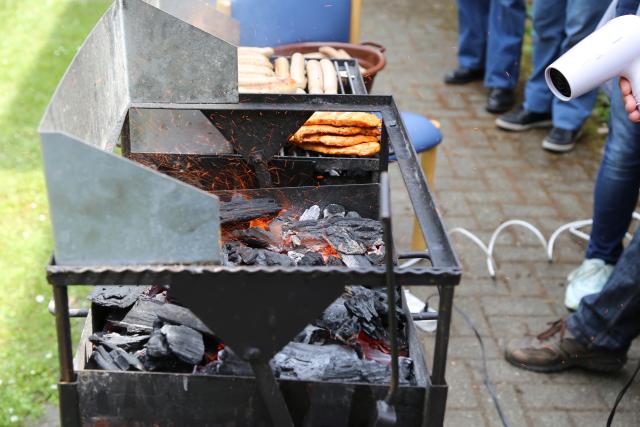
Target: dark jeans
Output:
[
  {"x": 611, "y": 319},
  {"x": 490, "y": 38},
  {"x": 617, "y": 184},
  {"x": 627, "y": 7}
]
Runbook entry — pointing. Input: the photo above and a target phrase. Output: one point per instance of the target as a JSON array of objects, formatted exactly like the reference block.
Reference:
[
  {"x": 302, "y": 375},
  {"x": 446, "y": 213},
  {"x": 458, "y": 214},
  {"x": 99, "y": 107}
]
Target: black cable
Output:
[
  {"x": 621, "y": 395},
  {"x": 487, "y": 379},
  {"x": 485, "y": 371}
]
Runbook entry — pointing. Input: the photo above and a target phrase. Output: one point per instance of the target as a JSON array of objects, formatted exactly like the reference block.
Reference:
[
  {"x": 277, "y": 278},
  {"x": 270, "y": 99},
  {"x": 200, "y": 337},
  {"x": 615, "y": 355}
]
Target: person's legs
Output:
[
  {"x": 581, "y": 20},
  {"x": 611, "y": 319},
  {"x": 617, "y": 185},
  {"x": 504, "y": 46},
  {"x": 473, "y": 20},
  {"x": 548, "y": 34},
  {"x": 598, "y": 335}
]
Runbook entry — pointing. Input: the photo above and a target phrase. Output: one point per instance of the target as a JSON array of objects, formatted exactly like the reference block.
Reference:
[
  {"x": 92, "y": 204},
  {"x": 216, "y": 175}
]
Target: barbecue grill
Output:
[{"x": 152, "y": 217}]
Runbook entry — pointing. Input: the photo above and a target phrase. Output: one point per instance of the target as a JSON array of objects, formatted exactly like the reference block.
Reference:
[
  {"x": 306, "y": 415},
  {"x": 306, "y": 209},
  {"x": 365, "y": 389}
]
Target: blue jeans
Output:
[
  {"x": 611, "y": 319},
  {"x": 490, "y": 38},
  {"x": 558, "y": 25},
  {"x": 617, "y": 184}
]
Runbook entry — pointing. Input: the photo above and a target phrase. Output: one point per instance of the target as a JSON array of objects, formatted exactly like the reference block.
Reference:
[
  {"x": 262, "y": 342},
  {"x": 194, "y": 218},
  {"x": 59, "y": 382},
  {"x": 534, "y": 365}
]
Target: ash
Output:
[
  {"x": 349, "y": 342},
  {"x": 320, "y": 236}
]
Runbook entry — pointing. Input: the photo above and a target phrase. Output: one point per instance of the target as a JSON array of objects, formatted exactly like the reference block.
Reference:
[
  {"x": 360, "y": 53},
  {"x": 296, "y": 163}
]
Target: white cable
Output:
[
  {"x": 504, "y": 226},
  {"x": 572, "y": 225},
  {"x": 481, "y": 245}
]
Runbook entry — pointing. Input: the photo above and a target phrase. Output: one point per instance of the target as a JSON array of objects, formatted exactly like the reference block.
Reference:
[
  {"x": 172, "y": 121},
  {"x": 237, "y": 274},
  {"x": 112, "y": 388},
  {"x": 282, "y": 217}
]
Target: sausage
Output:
[
  {"x": 343, "y": 54},
  {"x": 282, "y": 68},
  {"x": 329, "y": 77},
  {"x": 254, "y": 69},
  {"x": 298, "y": 71},
  {"x": 255, "y": 60},
  {"x": 314, "y": 73},
  {"x": 265, "y": 51},
  {"x": 329, "y": 51}
]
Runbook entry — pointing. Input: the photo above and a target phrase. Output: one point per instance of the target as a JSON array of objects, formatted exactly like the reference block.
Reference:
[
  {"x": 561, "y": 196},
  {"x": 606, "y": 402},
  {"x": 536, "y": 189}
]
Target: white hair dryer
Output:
[{"x": 611, "y": 51}]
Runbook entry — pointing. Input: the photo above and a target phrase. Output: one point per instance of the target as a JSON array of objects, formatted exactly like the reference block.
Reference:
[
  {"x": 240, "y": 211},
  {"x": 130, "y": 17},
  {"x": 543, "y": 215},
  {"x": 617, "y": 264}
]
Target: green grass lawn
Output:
[{"x": 38, "y": 40}]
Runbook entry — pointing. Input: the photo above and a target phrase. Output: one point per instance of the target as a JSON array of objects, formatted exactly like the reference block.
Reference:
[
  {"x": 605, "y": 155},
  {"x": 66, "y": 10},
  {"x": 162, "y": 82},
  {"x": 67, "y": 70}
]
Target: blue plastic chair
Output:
[{"x": 276, "y": 22}]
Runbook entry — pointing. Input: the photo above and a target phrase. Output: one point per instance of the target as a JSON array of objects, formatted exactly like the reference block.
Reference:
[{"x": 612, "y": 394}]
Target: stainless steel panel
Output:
[
  {"x": 169, "y": 60},
  {"x": 202, "y": 15},
  {"x": 107, "y": 210},
  {"x": 175, "y": 131}
]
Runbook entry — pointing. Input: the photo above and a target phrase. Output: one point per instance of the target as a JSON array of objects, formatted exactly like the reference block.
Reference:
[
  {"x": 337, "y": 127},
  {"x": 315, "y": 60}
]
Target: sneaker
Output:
[
  {"x": 561, "y": 140},
  {"x": 585, "y": 280},
  {"x": 556, "y": 349},
  {"x": 520, "y": 120}
]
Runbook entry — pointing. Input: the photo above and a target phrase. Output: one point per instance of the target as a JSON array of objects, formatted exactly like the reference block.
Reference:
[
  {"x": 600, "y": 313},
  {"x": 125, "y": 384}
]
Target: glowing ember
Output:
[{"x": 261, "y": 223}]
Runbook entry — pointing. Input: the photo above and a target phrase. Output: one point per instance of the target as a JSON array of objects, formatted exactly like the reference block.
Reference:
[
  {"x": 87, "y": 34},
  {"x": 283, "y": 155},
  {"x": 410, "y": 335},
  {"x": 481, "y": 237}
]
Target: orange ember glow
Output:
[
  {"x": 261, "y": 223},
  {"x": 329, "y": 251}
]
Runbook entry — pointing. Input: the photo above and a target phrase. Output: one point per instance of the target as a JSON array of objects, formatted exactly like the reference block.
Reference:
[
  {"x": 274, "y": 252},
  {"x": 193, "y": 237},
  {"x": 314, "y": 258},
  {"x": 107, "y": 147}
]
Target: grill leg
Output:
[
  {"x": 269, "y": 389},
  {"x": 67, "y": 388},
  {"x": 437, "y": 395}
]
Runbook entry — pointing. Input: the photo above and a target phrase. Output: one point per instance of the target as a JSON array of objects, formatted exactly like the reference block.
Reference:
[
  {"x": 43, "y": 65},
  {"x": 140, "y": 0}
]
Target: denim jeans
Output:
[
  {"x": 558, "y": 25},
  {"x": 611, "y": 319},
  {"x": 617, "y": 185},
  {"x": 627, "y": 7},
  {"x": 490, "y": 37}
]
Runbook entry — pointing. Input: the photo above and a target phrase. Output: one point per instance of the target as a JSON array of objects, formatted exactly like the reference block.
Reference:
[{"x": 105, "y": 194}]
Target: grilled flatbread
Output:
[
  {"x": 357, "y": 119},
  {"x": 336, "y": 140},
  {"x": 362, "y": 150},
  {"x": 335, "y": 130}
]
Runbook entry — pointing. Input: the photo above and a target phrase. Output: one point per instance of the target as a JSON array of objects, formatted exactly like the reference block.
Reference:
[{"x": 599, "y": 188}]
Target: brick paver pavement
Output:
[{"x": 485, "y": 177}]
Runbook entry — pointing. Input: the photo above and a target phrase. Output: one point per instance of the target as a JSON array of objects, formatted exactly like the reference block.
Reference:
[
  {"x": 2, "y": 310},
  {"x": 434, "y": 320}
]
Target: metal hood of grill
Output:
[{"x": 105, "y": 209}]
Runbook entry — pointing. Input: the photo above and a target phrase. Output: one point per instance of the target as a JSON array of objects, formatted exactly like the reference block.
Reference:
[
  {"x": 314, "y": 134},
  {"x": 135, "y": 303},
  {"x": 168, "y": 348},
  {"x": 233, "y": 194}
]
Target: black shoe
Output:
[
  {"x": 561, "y": 140},
  {"x": 461, "y": 76},
  {"x": 500, "y": 100},
  {"x": 520, "y": 120}
]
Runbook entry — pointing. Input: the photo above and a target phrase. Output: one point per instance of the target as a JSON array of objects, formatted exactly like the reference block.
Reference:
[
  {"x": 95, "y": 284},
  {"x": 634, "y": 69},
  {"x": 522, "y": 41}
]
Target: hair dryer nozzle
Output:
[{"x": 611, "y": 51}]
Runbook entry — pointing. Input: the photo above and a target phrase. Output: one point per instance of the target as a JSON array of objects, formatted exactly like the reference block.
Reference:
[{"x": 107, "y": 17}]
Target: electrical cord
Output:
[
  {"x": 486, "y": 378},
  {"x": 485, "y": 372},
  {"x": 621, "y": 395}
]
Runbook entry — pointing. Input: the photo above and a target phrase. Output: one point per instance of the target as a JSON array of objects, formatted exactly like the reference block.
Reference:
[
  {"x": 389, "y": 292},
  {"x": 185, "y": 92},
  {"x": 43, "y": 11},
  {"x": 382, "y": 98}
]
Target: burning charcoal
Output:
[
  {"x": 334, "y": 261},
  {"x": 147, "y": 311},
  {"x": 103, "y": 359},
  {"x": 229, "y": 364},
  {"x": 125, "y": 361},
  {"x": 366, "y": 231},
  {"x": 376, "y": 258},
  {"x": 126, "y": 342},
  {"x": 295, "y": 256},
  {"x": 273, "y": 258},
  {"x": 185, "y": 343},
  {"x": 256, "y": 237},
  {"x": 311, "y": 214},
  {"x": 352, "y": 214},
  {"x": 312, "y": 335},
  {"x": 309, "y": 362},
  {"x": 178, "y": 315},
  {"x": 157, "y": 347},
  {"x": 343, "y": 242},
  {"x": 116, "y": 296},
  {"x": 311, "y": 259},
  {"x": 333, "y": 210},
  {"x": 361, "y": 303},
  {"x": 248, "y": 255},
  {"x": 356, "y": 261},
  {"x": 239, "y": 209},
  {"x": 340, "y": 324}
]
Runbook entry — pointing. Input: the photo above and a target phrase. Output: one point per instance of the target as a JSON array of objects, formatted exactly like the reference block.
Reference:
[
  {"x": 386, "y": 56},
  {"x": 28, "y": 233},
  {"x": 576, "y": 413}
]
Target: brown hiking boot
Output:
[{"x": 556, "y": 349}]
